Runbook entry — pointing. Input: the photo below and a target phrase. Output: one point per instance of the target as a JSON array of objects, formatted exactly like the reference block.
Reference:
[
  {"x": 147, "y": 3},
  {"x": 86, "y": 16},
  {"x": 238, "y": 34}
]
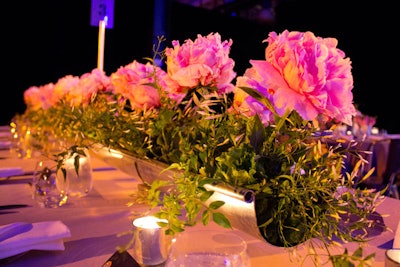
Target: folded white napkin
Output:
[
  {"x": 20, "y": 237},
  {"x": 396, "y": 241},
  {"x": 6, "y": 172}
]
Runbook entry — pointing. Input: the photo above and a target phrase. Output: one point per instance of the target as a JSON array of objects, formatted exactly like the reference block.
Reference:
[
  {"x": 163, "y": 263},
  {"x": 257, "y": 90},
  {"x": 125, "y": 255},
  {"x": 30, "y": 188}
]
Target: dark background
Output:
[{"x": 45, "y": 40}]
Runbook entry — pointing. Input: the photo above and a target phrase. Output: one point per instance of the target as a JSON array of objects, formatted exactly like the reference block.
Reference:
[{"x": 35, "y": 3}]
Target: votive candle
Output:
[{"x": 151, "y": 245}]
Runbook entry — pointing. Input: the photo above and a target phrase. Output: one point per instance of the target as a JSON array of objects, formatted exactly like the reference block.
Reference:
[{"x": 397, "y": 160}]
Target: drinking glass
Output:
[
  {"x": 45, "y": 190},
  {"x": 213, "y": 248}
]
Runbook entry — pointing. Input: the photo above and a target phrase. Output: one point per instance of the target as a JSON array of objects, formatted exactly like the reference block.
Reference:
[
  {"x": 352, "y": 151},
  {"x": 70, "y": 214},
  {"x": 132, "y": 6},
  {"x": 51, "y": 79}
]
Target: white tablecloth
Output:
[{"x": 96, "y": 221}]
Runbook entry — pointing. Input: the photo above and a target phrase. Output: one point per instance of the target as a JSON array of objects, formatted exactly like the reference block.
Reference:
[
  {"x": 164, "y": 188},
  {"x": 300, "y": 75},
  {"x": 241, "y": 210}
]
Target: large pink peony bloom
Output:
[
  {"x": 204, "y": 62},
  {"x": 39, "y": 97},
  {"x": 137, "y": 82},
  {"x": 301, "y": 72},
  {"x": 89, "y": 85},
  {"x": 62, "y": 87}
]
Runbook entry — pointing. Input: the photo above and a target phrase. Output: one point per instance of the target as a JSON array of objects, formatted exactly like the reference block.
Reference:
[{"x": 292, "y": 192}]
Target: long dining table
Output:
[{"x": 102, "y": 221}]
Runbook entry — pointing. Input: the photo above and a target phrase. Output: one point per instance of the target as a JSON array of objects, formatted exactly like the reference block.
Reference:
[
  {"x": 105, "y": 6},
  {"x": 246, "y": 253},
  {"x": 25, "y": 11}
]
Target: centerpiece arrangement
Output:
[{"x": 262, "y": 132}]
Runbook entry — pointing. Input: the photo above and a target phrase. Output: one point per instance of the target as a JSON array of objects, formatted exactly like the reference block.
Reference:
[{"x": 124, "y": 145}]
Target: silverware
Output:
[{"x": 13, "y": 206}]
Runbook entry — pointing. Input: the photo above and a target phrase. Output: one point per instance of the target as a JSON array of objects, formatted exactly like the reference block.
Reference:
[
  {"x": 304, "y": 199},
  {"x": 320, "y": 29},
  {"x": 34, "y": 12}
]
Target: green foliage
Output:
[
  {"x": 294, "y": 174},
  {"x": 356, "y": 259},
  {"x": 295, "y": 177},
  {"x": 74, "y": 152}
]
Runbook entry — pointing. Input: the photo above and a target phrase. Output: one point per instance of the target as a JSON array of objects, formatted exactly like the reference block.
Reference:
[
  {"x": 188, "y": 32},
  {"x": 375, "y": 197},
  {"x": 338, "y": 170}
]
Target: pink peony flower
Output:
[
  {"x": 31, "y": 99},
  {"x": 88, "y": 86},
  {"x": 49, "y": 95},
  {"x": 137, "y": 82},
  {"x": 247, "y": 105},
  {"x": 301, "y": 72},
  {"x": 204, "y": 62},
  {"x": 62, "y": 87},
  {"x": 39, "y": 97}
]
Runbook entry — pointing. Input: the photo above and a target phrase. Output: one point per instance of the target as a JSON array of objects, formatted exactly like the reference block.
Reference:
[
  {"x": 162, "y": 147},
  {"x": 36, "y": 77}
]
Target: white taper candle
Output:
[{"x": 100, "y": 54}]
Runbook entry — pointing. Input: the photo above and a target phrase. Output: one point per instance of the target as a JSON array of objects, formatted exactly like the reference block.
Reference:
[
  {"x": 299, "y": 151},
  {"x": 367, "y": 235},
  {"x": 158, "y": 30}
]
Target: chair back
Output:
[
  {"x": 393, "y": 160},
  {"x": 392, "y": 168}
]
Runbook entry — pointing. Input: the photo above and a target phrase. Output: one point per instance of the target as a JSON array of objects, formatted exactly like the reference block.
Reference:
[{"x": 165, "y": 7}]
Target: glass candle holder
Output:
[
  {"x": 392, "y": 258},
  {"x": 214, "y": 248},
  {"x": 151, "y": 244},
  {"x": 76, "y": 184}
]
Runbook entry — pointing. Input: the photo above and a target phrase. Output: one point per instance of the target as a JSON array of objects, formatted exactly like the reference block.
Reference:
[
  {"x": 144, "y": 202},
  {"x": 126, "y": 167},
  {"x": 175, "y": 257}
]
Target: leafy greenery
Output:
[
  {"x": 295, "y": 177},
  {"x": 294, "y": 173}
]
